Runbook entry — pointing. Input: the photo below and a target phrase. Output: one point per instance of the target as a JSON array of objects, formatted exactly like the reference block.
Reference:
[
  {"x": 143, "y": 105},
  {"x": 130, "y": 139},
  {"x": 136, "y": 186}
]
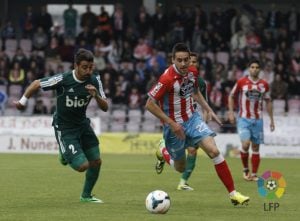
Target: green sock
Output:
[
  {"x": 190, "y": 165},
  {"x": 91, "y": 177}
]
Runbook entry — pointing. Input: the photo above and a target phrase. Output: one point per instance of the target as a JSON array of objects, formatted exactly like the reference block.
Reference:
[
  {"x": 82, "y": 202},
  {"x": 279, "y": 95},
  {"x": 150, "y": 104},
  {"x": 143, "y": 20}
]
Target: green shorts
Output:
[{"x": 78, "y": 145}]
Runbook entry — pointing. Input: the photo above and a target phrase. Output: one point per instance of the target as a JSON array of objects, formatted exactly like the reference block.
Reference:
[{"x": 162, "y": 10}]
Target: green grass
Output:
[{"x": 38, "y": 188}]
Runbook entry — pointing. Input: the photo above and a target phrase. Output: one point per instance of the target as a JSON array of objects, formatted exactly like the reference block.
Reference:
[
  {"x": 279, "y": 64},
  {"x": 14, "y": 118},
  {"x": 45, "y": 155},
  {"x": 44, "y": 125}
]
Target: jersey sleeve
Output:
[
  {"x": 202, "y": 87},
  {"x": 50, "y": 83},
  {"x": 236, "y": 88},
  {"x": 159, "y": 89},
  {"x": 100, "y": 87}
]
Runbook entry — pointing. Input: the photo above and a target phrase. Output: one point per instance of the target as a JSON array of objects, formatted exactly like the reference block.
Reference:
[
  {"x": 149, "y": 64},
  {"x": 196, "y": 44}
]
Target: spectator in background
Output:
[
  {"x": 103, "y": 22},
  {"x": 293, "y": 22},
  {"x": 16, "y": 75},
  {"x": 39, "y": 107},
  {"x": 20, "y": 58},
  {"x": 40, "y": 39},
  {"x": 119, "y": 22},
  {"x": 3, "y": 72},
  {"x": 27, "y": 23},
  {"x": 7, "y": 31},
  {"x": 44, "y": 20},
  {"x": 143, "y": 22},
  {"x": 70, "y": 21},
  {"x": 238, "y": 41},
  {"x": 134, "y": 99},
  {"x": 293, "y": 87},
  {"x": 88, "y": 19},
  {"x": 279, "y": 90},
  {"x": 159, "y": 22},
  {"x": 87, "y": 35},
  {"x": 99, "y": 61},
  {"x": 52, "y": 51},
  {"x": 66, "y": 51},
  {"x": 268, "y": 42},
  {"x": 142, "y": 50}
]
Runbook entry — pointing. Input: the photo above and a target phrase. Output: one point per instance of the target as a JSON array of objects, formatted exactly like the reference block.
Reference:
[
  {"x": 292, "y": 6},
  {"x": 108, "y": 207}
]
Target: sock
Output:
[
  {"x": 190, "y": 165},
  {"x": 167, "y": 156},
  {"x": 91, "y": 177},
  {"x": 255, "y": 160},
  {"x": 224, "y": 173},
  {"x": 244, "y": 158}
]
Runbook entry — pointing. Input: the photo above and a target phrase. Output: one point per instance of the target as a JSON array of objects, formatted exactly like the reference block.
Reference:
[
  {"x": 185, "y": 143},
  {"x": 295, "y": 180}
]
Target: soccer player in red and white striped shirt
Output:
[
  {"x": 170, "y": 100},
  {"x": 251, "y": 91}
]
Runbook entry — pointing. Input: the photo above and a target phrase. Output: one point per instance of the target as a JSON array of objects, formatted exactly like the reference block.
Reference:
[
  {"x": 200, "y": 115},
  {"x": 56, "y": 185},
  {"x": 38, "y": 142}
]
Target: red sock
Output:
[
  {"x": 166, "y": 155},
  {"x": 255, "y": 160},
  {"x": 244, "y": 158},
  {"x": 225, "y": 175}
]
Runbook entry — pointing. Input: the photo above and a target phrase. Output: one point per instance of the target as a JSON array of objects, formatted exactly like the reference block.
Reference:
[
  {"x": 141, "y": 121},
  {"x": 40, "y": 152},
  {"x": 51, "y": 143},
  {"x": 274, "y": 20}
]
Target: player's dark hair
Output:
[
  {"x": 83, "y": 55},
  {"x": 180, "y": 47},
  {"x": 254, "y": 61},
  {"x": 194, "y": 54}
]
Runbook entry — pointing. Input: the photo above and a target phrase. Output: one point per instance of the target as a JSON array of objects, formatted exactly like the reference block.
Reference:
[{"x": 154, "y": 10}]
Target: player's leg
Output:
[
  {"x": 190, "y": 165},
  {"x": 257, "y": 139},
  {"x": 90, "y": 145},
  {"x": 209, "y": 146},
  {"x": 245, "y": 134},
  {"x": 162, "y": 156},
  {"x": 199, "y": 134}
]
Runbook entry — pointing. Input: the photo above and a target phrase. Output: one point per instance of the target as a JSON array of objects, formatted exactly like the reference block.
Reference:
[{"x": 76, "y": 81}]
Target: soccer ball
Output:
[{"x": 158, "y": 202}]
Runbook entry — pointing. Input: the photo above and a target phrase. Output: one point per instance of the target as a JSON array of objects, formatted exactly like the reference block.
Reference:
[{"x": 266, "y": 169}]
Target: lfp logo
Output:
[{"x": 271, "y": 185}]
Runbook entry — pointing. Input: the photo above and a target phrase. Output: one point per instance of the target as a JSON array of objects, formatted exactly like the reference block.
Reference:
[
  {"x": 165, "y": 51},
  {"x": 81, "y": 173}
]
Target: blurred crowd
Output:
[{"x": 130, "y": 54}]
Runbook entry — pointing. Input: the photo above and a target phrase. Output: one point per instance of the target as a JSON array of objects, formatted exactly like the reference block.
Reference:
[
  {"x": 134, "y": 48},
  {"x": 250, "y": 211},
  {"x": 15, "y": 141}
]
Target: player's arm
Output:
[
  {"x": 30, "y": 90},
  {"x": 203, "y": 90},
  {"x": 98, "y": 96},
  {"x": 198, "y": 97},
  {"x": 269, "y": 107},
  {"x": 152, "y": 107},
  {"x": 231, "y": 105}
]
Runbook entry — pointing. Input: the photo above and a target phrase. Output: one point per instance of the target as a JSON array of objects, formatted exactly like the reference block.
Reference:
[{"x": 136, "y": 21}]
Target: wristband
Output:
[{"x": 23, "y": 100}]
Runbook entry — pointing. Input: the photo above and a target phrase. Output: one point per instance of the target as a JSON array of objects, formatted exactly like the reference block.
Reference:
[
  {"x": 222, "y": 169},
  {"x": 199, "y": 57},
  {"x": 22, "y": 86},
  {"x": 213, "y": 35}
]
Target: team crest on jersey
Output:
[
  {"x": 254, "y": 94},
  {"x": 261, "y": 86},
  {"x": 156, "y": 89},
  {"x": 187, "y": 86}
]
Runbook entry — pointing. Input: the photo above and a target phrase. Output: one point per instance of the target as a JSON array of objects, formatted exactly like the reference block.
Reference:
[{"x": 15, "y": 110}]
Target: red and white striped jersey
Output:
[
  {"x": 251, "y": 95},
  {"x": 173, "y": 92}
]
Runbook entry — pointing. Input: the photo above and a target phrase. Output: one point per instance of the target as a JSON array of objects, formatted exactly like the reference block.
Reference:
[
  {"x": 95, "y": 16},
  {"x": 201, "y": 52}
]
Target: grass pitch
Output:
[{"x": 38, "y": 188}]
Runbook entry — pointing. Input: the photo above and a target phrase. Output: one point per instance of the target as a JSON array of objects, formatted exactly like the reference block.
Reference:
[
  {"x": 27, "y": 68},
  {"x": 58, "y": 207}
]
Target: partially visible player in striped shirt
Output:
[{"x": 251, "y": 92}]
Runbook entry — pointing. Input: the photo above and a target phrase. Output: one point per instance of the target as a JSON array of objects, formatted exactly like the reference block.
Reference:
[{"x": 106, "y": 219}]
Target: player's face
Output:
[
  {"x": 182, "y": 61},
  {"x": 194, "y": 62},
  {"x": 254, "y": 70},
  {"x": 84, "y": 70}
]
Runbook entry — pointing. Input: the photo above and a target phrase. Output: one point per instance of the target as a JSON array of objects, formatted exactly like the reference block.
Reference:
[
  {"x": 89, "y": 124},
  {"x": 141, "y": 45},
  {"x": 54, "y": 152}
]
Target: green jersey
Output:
[
  {"x": 72, "y": 98},
  {"x": 202, "y": 87}
]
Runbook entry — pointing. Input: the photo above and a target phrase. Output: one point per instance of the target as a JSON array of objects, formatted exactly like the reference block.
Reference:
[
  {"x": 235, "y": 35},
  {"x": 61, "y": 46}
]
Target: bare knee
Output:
[
  {"x": 95, "y": 163},
  {"x": 192, "y": 151},
  {"x": 83, "y": 167},
  {"x": 213, "y": 153},
  {"x": 246, "y": 145},
  {"x": 179, "y": 166}
]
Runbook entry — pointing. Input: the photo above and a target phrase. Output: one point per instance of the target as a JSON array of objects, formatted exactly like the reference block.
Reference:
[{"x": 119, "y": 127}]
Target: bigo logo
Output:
[
  {"x": 271, "y": 185},
  {"x": 76, "y": 102}
]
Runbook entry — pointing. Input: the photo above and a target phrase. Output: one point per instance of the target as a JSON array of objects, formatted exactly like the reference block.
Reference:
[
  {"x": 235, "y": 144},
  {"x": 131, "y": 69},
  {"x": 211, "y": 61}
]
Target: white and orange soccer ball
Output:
[{"x": 158, "y": 202}]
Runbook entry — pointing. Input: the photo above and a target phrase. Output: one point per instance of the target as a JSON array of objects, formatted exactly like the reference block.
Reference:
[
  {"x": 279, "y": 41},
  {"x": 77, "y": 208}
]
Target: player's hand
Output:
[
  {"x": 231, "y": 117},
  {"x": 19, "y": 106},
  {"x": 272, "y": 126},
  {"x": 215, "y": 117},
  {"x": 92, "y": 90},
  {"x": 178, "y": 130}
]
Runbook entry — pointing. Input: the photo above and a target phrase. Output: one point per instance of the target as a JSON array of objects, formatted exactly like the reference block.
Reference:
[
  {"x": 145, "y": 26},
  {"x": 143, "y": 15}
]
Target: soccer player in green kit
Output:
[
  {"x": 162, "y": 153},
  {"x": 78, "y": 143}
]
